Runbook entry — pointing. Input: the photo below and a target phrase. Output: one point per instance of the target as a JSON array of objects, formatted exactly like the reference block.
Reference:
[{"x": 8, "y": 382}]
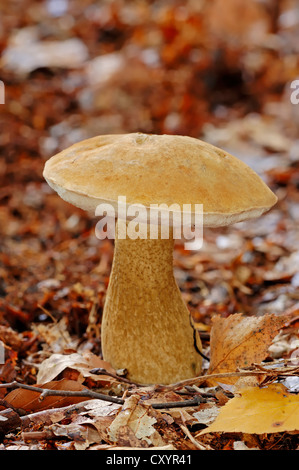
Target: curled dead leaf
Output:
[{"x": 51, "y": 367}]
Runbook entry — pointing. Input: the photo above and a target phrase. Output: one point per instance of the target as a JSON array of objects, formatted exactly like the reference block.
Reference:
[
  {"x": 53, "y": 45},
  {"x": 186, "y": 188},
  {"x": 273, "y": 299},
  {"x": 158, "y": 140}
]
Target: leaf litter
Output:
[{"x": 241, "y": 288}]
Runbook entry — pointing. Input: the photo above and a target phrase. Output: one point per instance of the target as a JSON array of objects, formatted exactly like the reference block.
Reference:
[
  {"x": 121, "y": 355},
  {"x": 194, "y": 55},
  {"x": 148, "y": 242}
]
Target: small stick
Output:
[
  {"x": 243, "y": 373},
  {"x": 45, "y": 392},
  {"x": 46, "y": 416},
  {"x": 37, "y": 435},
  {"x": 100, "y": 371},
  {"x": 178, "y": 404},
  {"x": 86, "y": 393},
  {"x": 192, "y": 439}
]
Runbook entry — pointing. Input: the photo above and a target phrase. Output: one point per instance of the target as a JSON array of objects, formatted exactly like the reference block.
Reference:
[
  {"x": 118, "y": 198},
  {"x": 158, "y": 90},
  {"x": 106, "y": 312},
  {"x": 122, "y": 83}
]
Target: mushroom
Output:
[{"x": 146, "y": 327}]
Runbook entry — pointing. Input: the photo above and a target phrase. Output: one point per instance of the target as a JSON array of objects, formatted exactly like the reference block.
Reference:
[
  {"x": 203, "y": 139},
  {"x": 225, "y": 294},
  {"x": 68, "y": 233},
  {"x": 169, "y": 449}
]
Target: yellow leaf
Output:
[{"x": 258, "y": 411}]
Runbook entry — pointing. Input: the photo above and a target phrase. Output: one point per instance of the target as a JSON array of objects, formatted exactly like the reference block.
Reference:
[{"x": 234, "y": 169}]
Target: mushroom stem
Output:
[{"x": 146, "y": 327}]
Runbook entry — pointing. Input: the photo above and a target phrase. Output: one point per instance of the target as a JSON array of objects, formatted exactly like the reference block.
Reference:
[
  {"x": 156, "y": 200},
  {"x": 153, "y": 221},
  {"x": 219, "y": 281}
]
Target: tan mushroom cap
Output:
[{"x": 159, "y": 169}]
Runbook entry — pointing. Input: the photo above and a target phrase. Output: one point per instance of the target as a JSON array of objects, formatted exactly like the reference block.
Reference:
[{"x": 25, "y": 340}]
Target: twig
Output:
[
  {"x": 101, "y": 371},
  {"x": 46, "y": 416},
  {"x": 239, "y": 373},
  {"x": 87, "y": 393},
  {"x": 290, "y": 369},
  {"x": 45, "y": 392},
  {"x": 38, "y": 435},
  {"x": 178, "y": 404},
  {"x": 192, "y": 439}
]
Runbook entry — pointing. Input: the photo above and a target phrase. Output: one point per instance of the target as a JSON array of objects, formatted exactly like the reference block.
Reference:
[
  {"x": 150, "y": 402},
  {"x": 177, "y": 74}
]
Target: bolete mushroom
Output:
[{"x": 146, "y": 327}]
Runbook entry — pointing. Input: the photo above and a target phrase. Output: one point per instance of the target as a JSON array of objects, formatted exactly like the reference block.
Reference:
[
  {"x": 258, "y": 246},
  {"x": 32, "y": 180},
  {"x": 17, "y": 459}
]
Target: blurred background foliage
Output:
[
  {"x": 73, "y": 69},
  {"x": 212, "y": 69}
]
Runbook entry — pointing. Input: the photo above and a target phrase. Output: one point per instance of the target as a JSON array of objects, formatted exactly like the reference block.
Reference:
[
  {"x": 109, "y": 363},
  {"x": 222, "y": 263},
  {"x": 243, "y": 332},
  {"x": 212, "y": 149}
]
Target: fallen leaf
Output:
[
  {"x": 29, "y": 400},
  {"x": 8, "y": 359},
  {"x": 257, "y": 411},
  {"x": 207, "y": 415},
  {"x": 238, "y": 341},
  {"x": 83, "y": 436},
  {"x": 53, "y": 366},
  {"x": 11, "y": 338},
  {"x": 239, "y": 445},
  {"x": 134, "y": 424},
  {"x": 99, "y": 408},
  {"x": 55, "y": 335}
]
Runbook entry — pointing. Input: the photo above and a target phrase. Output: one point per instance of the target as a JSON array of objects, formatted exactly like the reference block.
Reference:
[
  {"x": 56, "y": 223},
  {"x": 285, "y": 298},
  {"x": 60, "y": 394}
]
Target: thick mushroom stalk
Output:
[{"x": 146, "y": 325}]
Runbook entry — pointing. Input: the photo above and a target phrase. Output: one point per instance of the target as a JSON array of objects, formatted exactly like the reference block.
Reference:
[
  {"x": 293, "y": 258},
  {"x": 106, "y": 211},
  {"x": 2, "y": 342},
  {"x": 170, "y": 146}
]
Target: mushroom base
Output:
[{"x": 146, "y": 327}]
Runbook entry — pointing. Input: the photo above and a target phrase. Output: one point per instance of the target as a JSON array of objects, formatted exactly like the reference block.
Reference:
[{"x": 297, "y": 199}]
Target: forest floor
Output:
[{"x": 120, "y": 67}]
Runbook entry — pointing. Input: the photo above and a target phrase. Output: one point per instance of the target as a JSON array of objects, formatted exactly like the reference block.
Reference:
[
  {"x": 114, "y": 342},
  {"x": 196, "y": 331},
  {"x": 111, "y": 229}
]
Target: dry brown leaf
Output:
[
  {"x": 10, "y": 337},
  {"x": 134, "y": 425},
  {"x": 55, "y": 335},
  {"x": 238, "y": 341},
  {"x": 98, "y": 414},
  {"x": 98, "y": 408},
  {"x": 83, "y": 436},
  {"x": 29, "y": 400},
  {"x": 53, "y": 366},
  {"x": 257, "y": 411}
]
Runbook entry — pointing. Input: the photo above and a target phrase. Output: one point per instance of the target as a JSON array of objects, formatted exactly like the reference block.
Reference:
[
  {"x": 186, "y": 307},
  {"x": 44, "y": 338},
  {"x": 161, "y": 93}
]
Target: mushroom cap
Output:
[{"x": 159, "y": 169}]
